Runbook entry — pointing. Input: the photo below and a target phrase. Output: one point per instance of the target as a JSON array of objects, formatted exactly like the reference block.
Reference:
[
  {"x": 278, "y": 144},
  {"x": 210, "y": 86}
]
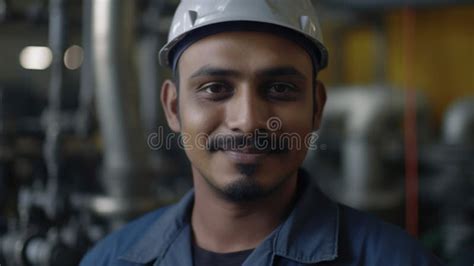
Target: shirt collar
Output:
[
  {"x": 162, "y": 233},
  {"x": 308, "y": 235}
]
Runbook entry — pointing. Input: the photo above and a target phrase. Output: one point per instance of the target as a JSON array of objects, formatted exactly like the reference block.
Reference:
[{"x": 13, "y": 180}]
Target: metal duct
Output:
[
  {"x": 126, "y": 174},
  {"x": 369, "y": 125},
  {"x": 458, "y": 127}
]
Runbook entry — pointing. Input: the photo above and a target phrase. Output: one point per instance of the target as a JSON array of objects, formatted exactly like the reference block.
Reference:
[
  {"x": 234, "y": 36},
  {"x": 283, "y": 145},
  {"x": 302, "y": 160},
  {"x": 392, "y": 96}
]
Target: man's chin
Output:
[
  {"x": 245, "y": 189},
  {"x": 237, "y": 182},
  {"x": 247, "y": 170}
]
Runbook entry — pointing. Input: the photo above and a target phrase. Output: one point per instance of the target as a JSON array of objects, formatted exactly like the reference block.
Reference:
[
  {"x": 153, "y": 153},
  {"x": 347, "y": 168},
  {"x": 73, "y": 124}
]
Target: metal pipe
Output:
[
  {"x": 149, "y": 74},
  {"x": 149, "y": 88},
  {"x": 458, "y": 125},
  {"x": 126, "y": 167},
  {"x": 362, "y": 167},
  {"x": 57, "y": 43},
  {"x": 52, "y": 115},
  {"x": 86, "y": 92},
  {"x": 371, "y": 121}
]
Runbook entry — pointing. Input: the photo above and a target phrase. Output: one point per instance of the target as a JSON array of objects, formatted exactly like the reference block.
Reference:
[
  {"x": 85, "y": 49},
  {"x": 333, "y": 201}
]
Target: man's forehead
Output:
[{"x": 253, "y": 51}]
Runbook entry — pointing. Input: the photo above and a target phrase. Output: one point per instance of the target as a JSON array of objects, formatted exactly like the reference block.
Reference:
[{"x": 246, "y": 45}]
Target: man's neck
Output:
[{"x": 216, "y": 220}]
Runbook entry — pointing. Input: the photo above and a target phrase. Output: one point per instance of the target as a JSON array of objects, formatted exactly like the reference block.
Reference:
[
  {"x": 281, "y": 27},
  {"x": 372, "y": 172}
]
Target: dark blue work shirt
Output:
[{"x": 318, "y": 231}]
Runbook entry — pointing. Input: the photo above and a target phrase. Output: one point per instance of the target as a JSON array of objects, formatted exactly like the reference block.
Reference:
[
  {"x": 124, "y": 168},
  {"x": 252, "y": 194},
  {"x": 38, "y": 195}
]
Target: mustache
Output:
[{"x": 258, "y": 142}]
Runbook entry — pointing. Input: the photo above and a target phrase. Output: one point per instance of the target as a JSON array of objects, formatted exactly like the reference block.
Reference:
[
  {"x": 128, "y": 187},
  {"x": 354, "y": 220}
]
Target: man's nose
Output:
[{"x": 247, "y": 111}]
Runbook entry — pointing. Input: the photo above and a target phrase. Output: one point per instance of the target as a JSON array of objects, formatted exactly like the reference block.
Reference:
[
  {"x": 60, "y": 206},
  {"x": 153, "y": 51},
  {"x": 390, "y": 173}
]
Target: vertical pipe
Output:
[
  {"x": 411, "y": 149},
  {"x": 112, "y": 43},
  {"x": 149, "y": 88},
  {"x": 149, "y": 74},
  {"x": 57, "y": 43},
  {"x": 86, "y": 92},
  {"x": 126, "y": 167}
]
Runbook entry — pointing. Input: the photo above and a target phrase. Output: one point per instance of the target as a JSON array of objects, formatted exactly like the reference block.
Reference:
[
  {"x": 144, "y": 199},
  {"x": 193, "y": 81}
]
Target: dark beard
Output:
[
  {"x": 246, "y": 189},
  {"x": 247, "y": 170}
]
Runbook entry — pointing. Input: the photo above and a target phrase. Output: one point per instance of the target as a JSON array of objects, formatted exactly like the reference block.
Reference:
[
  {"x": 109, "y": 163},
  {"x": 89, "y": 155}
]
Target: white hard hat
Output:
[{"x": 297, "y": 15}]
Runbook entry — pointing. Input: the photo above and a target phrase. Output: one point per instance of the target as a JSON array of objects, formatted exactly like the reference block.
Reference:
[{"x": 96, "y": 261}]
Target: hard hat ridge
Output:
[{"x": 199, "y": 34}]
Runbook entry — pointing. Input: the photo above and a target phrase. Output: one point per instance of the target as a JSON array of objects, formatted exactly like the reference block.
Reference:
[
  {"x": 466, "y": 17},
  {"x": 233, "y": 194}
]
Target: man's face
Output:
[{"x": 236, "y": 84}]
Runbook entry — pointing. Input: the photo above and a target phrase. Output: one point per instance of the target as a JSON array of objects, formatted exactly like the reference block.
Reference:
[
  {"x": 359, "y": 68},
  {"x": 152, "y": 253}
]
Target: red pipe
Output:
[{"x": 410, "y": 130}]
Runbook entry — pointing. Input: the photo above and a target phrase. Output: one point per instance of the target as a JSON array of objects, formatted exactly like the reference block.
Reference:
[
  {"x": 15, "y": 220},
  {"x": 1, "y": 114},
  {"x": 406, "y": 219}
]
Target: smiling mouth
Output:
[
  {"x": 247, "y": 150},
  {"x": 246, "y": 155}
]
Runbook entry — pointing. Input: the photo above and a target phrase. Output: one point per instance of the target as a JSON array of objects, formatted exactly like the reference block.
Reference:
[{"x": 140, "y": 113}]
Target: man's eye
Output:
[
  {"x": 215, "y": 88},
  {"x": 215, "y": 91},
  {"x": 281, "y": 89}
]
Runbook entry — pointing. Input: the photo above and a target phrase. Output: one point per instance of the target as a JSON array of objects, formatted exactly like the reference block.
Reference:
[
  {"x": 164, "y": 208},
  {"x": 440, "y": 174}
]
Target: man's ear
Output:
[
  {"x": 169, "y": 101},
  {"x": 320, "y": 101}
]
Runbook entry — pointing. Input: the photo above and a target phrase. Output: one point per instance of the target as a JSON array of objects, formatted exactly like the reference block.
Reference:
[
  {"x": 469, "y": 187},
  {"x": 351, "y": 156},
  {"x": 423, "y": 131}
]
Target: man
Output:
[{"x": 245, "y": 79}]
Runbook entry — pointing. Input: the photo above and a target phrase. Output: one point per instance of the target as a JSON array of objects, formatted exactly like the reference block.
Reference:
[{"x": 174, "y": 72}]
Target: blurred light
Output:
[
  {"x": 36, "y": 57},
  {"x": 73, "y": 57}
]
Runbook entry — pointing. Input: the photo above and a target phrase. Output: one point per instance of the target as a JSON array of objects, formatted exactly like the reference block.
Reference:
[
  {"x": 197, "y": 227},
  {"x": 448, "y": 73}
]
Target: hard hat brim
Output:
[{"x": 166, "y": 51}]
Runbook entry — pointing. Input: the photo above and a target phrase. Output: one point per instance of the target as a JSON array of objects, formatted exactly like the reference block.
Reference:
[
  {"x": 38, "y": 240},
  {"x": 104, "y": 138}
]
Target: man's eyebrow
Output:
[
  {"x": 210, "y": 71},
  {"x": 281, "y": 71},
  {"x": 207, "y": 71}
]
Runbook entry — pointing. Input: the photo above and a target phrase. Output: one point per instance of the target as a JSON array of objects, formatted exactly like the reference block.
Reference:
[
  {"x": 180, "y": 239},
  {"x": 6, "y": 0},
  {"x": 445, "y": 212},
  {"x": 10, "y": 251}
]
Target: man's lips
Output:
[
  {"x": 246, "y": 155},
  {"x": 249, "y": 150}
]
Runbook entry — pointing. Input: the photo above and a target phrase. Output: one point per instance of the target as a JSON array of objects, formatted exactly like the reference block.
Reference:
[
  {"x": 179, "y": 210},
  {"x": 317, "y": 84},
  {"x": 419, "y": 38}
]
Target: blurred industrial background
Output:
[{"x": 79, "y": 94}]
